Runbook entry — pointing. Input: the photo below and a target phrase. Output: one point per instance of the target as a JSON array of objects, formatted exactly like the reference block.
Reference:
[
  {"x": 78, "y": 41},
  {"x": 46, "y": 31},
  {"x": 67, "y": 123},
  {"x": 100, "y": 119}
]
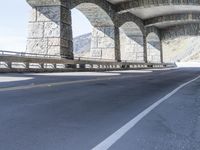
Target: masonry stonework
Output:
[{"x": 50, "y": 31}]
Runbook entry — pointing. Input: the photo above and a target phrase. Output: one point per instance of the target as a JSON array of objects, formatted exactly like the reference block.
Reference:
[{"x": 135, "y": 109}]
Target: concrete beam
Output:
[
  {"x": 174, "y": 19},
  {"x": 181, "y": 30},
  {"x": 127, "y": 5},
  {"x": 35, "y": 3}
]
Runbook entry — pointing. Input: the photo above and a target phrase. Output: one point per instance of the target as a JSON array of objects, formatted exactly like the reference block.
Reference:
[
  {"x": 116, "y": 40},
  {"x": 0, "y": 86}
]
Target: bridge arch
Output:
[
  {"x": 106, "y": 7},
  {"x": 120, "y": 19},
  {"x": 132, "y": 34},
  {"x": 131, "y": 42},
  {"x": 103, "y": 37}
]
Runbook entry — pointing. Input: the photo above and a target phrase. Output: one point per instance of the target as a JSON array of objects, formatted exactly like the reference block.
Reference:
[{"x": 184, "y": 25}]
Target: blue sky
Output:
[{"x": 13, "y": 27}]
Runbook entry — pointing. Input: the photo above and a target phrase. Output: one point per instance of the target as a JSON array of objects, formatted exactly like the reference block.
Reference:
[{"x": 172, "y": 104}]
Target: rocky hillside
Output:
[
  {"x": 82, "y": 45},
  {"x": 183, "y": 49}
]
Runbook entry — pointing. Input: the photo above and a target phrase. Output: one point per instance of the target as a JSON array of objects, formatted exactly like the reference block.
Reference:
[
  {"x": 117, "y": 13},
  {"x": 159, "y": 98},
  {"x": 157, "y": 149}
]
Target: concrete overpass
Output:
[{"x": 118, "y": 26}]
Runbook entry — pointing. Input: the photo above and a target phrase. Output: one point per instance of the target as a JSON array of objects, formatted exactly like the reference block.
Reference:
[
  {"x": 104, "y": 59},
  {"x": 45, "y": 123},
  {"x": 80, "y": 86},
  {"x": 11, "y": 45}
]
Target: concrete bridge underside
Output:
[{"x": 123, "y": 30}]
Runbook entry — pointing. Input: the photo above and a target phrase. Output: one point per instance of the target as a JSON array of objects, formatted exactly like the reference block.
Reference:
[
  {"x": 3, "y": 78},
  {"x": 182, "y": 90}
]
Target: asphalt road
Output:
[{"x": 77, "y": 111}]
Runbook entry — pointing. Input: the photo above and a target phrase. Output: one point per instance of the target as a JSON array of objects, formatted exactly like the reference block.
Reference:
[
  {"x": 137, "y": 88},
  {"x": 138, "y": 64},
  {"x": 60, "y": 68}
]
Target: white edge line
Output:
[{"x": 109, "y": 141}]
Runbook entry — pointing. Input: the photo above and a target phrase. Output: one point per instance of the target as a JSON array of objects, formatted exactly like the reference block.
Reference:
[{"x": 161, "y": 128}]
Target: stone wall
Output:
[
  {"x": 103, "y": 43},
  {"x": 131, "y": 42},
  {"x": 153, "y": 54},
  {"x": 131, "y": 50}
]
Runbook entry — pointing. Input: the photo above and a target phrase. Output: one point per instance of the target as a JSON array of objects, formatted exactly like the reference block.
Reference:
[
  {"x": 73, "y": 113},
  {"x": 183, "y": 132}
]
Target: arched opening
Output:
[
  {"x": 81, "y": 34},
  {"x": 102, "y": 38},
  {"x": 153, "y": 48},
  {"x": 131, "y": 43}
]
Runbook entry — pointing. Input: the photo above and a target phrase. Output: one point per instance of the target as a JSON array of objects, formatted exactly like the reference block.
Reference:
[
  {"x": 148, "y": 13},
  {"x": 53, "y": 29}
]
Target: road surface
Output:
[{"x": 80, "y": 111}]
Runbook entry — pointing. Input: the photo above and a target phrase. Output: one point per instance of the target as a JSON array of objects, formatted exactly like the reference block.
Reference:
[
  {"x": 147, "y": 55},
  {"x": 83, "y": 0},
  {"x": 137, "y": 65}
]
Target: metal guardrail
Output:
[
  {"x": 24, "y": 54},
  {"x": 29, "y": 59}
]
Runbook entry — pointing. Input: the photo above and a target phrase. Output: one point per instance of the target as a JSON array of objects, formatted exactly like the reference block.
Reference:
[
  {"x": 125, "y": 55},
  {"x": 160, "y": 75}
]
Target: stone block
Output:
[
  {"x": 140, "y": 54},
  {"x": 106, "y": 42},
  {"x": 51, "y": 29},
  {"x": 65, "y": 31},
  {"x": 65, "y": 43},
  {"x": 96, "y": 53},
  {"x": 35, "y": 29},
  {"x": 108, "y": 53},
  {"x": 53, "y": 41},
  {"x": 66, "y": 15},
  {"x": 33, "y": 15},
  {"x": 38, "y": 46},
  {"x": 51, "y": 13},
  {"x": 54, "y": 50},
  {"x": 94, "y": 42}
]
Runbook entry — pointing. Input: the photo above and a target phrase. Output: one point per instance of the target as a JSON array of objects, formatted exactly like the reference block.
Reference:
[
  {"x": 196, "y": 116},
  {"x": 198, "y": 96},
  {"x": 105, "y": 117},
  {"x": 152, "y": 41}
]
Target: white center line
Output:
[
  {"x": 112, "y": 139},
  {"x": 26, "y": 87}
]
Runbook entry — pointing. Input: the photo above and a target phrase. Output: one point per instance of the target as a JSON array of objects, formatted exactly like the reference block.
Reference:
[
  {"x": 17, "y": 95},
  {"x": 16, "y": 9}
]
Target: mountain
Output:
[{"x": 82, "y": 45}]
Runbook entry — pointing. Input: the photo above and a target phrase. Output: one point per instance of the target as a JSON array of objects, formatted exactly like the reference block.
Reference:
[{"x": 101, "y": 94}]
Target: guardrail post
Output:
[
  {"x": 54, "y": 66},
  {"x": 42, "y": 66},
  {"x": 150, "y": 66},
  {"x": 9, "y": 65},
  {"x": 161, "y": 52},
  {"x": 26, "y": 65},
  {"x": 82, "y": 66},
  {"x": 70, "y": 66}
]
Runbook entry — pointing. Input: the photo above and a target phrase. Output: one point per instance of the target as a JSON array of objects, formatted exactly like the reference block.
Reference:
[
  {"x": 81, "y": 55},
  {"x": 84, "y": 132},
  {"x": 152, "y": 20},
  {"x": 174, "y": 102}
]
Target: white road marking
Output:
[
  {"x": 112, "y": 139},
  {"x": 26, "y": 87},
  {"x": 90, "y": 74},
  {"x": 13, "y": 79}
]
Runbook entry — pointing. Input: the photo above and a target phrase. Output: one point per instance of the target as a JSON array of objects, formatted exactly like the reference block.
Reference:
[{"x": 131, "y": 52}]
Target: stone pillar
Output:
[
  {"x": 50, "y": 30},
  {"x": 54, "y": 66},
  {"x": 9, "y": 65},
  {"x": 145, "y": 49},
  {"x": 105, "y": 43},
  {"x": 117, "y": 45},
  {"x": 161, "y": 52},
  {"x": 42, "y": 66},
  {"x": 26, "y": 65},
  {"x": 82, "y": 66}
]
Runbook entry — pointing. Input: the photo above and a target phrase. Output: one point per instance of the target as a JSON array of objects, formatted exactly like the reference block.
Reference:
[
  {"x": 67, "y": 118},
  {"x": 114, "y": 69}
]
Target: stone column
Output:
[
  {"x": 117, "y": 45},
  {"x": 50, "y": 30},
  {"x": 9, "y": 65},
  {"x": 145, "y": 49},
  {"x": 161, "y": 52},
  {"x": 105, "y": 43}
]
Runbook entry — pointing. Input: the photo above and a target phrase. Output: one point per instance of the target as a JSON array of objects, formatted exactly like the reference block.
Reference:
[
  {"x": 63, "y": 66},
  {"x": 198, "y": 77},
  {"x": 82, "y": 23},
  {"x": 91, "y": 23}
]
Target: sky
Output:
[{"x": 13, "y": 26}]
